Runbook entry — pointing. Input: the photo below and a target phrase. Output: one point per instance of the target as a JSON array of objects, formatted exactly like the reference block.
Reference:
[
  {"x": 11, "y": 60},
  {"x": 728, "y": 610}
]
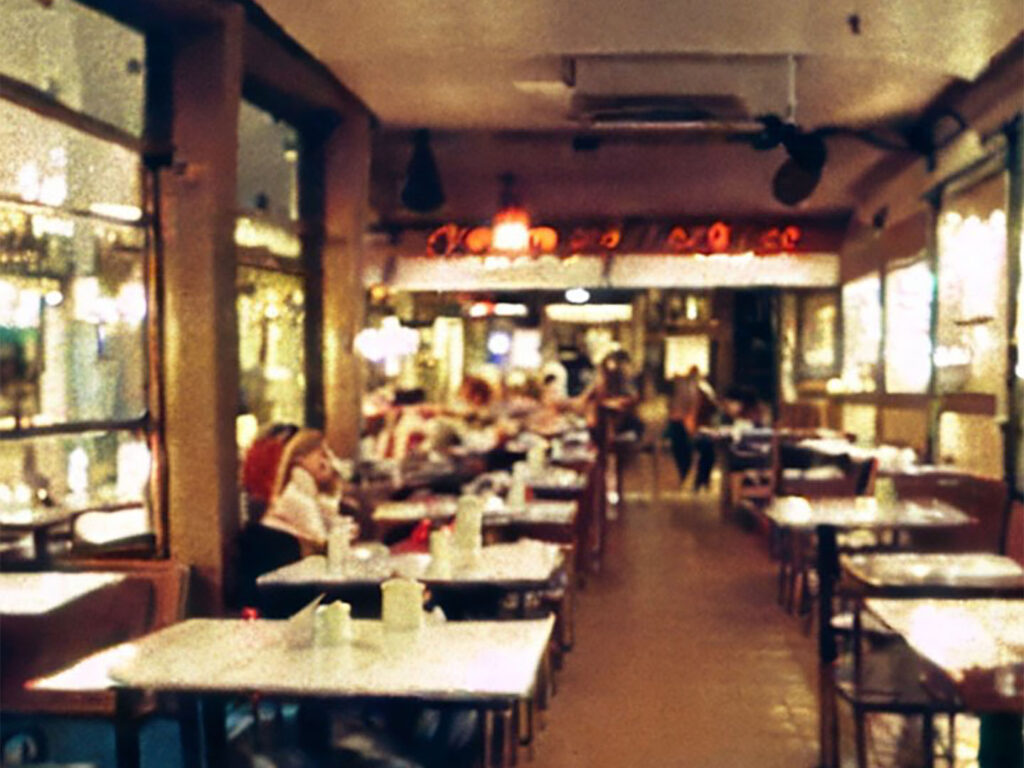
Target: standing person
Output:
[
  {"x": 682, "y": 419},
  {"x": 707, "y": 410}
]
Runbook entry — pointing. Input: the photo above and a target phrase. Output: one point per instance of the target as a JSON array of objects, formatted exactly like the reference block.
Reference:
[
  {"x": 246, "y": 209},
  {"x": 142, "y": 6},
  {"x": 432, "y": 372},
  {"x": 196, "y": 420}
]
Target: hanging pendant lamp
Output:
[{"x": 422, "y": 190}]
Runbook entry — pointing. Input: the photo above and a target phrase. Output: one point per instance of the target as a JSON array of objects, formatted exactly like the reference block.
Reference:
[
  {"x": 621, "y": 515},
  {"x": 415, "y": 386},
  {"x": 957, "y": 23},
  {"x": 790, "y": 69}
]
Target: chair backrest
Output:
[
  {"x": 799, "y": 415},
  {"x": 984, "y": 499},
  {"x": 169, "y": 581}
]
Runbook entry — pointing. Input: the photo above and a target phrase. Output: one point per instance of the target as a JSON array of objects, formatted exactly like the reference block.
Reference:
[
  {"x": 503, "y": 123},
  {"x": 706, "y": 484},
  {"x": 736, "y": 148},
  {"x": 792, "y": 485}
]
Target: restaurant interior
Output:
[{"x": 473, "y": 384}]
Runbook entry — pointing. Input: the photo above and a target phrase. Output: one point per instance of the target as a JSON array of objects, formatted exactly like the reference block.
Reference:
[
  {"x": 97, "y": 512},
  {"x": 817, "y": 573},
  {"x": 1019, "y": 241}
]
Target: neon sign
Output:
[{"x": 715, "y": 237}]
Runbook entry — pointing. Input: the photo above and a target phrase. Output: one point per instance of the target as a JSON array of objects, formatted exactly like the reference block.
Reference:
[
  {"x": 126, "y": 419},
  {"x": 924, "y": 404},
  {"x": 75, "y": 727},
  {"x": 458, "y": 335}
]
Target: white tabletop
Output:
[
  {"x": 863, "y": 512},
  {"x": 958, "y": 635},
  {"x": 523, "y": 562},
  {"x": 452, "y": 661},
  {"x": 34, "y": 594},
  {"x": 926, "y": 569},
  {"x": 496, "y": 511},
  {"x": 32, "y": 517}
]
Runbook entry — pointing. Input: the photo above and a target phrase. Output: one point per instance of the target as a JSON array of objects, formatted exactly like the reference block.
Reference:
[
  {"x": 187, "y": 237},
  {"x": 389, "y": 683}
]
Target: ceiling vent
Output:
[{"x": 675, "y": 92}]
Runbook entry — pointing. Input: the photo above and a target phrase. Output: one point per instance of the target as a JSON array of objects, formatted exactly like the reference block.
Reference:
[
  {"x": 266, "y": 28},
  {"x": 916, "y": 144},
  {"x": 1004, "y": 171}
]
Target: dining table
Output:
[
  {"x": 977, "y": 645},
  {"x": 505, "y": 568},
  {"x": 934, "y": 574},
  {"x": 825, "y": 517},
  {"x": 488, "y": 666}
]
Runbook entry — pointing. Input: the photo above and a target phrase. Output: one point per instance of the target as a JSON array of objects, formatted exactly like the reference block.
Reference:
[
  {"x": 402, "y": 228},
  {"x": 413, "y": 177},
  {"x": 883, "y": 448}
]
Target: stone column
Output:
[
  {"x": 200, "y": 328},
  {"x": 346, "y": 155}
]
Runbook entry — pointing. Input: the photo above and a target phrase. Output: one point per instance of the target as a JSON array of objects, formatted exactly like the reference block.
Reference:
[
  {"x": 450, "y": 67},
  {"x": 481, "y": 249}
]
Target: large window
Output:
[
  {"x": 817, "y": 319},
  {"x": 908, "y": 345},
  {"x": 271, "y": 278},
  {"x": 862, "y": 333},
  {"x": 973, "y": 324},
  {"x": 75, "y": 426}
]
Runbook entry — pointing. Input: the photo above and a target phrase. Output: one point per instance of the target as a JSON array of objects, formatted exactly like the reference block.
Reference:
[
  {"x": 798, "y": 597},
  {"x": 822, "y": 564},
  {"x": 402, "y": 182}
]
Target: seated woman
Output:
[
  {"x": 260, "y": 466},
  {"x": 306, "y": 498}
]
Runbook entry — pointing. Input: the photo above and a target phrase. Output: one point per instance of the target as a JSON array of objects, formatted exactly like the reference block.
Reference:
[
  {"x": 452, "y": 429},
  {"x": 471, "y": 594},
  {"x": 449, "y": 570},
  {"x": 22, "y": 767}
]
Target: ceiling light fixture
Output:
[
  {"x": 511, "y": 225},
  {"x": 577, "y": 295},
  {"x": 422, "y": 190}
]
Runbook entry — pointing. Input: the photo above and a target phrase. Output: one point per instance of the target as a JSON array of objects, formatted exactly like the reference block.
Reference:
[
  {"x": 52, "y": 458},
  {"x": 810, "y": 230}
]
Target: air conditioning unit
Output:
[{"x": 676, "y": 92}]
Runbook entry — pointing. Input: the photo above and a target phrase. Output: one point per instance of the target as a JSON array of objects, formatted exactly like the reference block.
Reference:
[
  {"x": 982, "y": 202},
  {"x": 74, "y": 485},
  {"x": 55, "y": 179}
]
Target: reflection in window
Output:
[
  {"x": 72, "y": 319},
  {"x": 86, "y": 470},
  {"x": 271, "y": 318},
  {"x": 972, "y": 302},
  {"x": 46, "y": 162},
  {"x": 79, "y": 57},
  {"x": 908, "y": 346},
  {"x": 268, "y": 155},
  {"x": 862, "y": 333},
  {"x": 818, "y": 334}
]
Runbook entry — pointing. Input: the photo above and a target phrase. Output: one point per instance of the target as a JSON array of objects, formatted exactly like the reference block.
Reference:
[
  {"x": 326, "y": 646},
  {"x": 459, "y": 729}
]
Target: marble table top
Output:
[
  {"x": 32, "y": 517},
  {"x": 496, "y": 511},
  {"x": 35, "y": 594},
  {"x": 525, "y": 562},
  {"x": 863, "y": 512},
  {"x": 958, "y": 635},
  {"x": 450, "y": 661},
  {"x": 918, "y": 569}
]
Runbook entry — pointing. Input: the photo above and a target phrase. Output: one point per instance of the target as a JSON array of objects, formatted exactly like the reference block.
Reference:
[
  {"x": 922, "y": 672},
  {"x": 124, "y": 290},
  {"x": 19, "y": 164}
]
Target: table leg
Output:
[
  {"x": 827, "y": 567},
  {"x": 126, "y": 729},
  {"x": 214, "y": 709},
  {"x": 41, "y": 546},
  {"x": 191, "y": 732}
]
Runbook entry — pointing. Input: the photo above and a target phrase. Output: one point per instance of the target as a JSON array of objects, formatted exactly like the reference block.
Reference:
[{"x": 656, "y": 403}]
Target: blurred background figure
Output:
[{"x": 693, "y": 404}]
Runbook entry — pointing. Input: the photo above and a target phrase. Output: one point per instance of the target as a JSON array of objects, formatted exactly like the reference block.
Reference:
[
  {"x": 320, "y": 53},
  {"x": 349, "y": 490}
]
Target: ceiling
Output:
[{"x": 497, "y": 81}]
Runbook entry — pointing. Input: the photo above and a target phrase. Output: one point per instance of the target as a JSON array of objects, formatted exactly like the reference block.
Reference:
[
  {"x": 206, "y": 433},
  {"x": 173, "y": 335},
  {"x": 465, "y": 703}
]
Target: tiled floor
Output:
[{"x": 682, "y": 656}]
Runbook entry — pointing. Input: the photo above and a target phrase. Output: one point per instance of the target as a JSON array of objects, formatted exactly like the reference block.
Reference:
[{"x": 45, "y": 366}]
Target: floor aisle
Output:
[{"x": 682, "y": 656}]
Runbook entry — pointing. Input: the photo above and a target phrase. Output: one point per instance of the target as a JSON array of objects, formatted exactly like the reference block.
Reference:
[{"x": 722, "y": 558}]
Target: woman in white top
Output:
[{"x": 306, "y": 497}]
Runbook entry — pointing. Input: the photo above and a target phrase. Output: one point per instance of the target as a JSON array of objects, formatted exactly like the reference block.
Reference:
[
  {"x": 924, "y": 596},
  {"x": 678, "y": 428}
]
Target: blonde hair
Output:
[{"x": 301, "y": 444}]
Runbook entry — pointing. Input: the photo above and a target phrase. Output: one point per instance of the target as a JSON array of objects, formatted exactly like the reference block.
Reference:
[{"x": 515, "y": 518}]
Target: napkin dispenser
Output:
[
  {"x": 402, "y": 604},
  {"x": 469, "y": 522},
  {"x": 333, "y": 624},
  {"x": 338, "y": 545},
  {"x": 517, "y": 491},
  {"x": 536, "y": 457},
  {"x": 440, "y": 554}
]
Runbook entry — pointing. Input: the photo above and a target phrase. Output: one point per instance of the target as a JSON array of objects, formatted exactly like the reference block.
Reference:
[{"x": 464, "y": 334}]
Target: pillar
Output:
[
  {"x": 200, "y": 327},
  {"x": 346, "y": 155}
]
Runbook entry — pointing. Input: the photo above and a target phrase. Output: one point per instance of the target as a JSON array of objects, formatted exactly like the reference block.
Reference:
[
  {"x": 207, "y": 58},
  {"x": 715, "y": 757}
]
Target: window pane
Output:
[
  {"x": 45, "y": 161},
  {"x": 83, "y": 470},
  {"x": 908, "y": 346},
  {"x": 818, "y": 335},
  {"x": 268, "y": 154},
  {"x": 72, "y": 312},
  {"x": 271, "y": 317},
  {"x": 862, "y": 333},
  {"x": 972, "y": 332},
  {"x": 82, "y": 58}
]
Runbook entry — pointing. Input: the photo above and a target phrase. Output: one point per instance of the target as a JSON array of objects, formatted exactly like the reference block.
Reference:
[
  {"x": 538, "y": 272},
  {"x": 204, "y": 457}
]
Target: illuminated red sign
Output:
[{"x": 645, "y": 237}]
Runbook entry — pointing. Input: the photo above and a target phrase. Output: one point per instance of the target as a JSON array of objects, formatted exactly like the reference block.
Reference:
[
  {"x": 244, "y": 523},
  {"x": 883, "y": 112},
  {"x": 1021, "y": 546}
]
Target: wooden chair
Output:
[
  {"x": 91, "y": 696},
  {"x": 984, "y": 499}
]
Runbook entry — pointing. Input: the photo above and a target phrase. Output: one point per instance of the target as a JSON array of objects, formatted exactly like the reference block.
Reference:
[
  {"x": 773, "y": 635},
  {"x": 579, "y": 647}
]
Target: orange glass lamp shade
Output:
[
  {"x": 511, "y": 230},
  {"x": 543, "y": 240}
]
